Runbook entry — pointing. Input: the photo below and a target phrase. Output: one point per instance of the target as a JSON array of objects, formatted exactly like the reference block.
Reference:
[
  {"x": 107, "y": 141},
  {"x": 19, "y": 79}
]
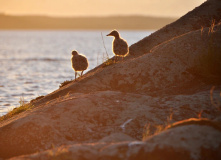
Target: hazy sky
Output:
[{"x": 171, "y": 8}]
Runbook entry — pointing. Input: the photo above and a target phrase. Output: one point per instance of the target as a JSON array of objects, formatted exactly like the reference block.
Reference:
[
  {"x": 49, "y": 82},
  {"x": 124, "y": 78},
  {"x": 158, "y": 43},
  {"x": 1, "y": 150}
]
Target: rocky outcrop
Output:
[
  {"x": 103, "y": 114},
  {"x": 176, "y": 66},
  {"x": 196, "y": 19},
  {"x": 204, "y": 142},
  {"x": 88, "y": 118}
]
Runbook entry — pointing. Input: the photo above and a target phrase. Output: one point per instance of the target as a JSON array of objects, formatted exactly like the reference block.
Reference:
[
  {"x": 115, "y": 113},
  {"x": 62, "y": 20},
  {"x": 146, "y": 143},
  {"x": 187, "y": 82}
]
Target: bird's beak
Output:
[{"x": 108, "y": 34}]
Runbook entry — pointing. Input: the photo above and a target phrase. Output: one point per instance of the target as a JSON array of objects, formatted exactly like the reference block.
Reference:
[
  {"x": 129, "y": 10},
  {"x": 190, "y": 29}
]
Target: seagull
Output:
[
  {"x": 79, "y": 62},
  {"x": 120, "y": 46}
]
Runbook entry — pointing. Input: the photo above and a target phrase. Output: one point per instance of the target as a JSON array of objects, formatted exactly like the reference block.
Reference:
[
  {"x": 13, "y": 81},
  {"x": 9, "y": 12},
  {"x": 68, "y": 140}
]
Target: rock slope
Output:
[
  {"x": 170, "y": 68},
  {"x": 196, "y": 19},
  {"x": 136, "y": 109},
  {"x": 174, "y": 143}
]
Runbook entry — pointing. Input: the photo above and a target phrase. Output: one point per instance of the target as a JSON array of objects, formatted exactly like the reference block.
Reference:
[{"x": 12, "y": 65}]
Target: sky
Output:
[{"x": 157, "y": 8}]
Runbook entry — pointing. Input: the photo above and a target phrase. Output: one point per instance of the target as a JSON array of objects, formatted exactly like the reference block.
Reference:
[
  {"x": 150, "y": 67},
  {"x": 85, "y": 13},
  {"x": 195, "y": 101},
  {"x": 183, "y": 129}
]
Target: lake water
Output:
[{"x": 34, "y": 63}]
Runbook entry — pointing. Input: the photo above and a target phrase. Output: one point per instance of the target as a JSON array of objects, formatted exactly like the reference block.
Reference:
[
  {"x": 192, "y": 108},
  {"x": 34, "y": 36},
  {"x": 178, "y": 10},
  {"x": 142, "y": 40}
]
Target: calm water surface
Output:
[{"x": 34, "y": 63}]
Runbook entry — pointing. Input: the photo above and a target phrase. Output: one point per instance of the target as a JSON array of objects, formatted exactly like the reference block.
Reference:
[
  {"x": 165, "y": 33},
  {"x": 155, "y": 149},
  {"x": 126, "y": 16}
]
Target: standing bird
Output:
[
  {"x": 79, "y": 62},
  {"x": 120, "y": 46}
]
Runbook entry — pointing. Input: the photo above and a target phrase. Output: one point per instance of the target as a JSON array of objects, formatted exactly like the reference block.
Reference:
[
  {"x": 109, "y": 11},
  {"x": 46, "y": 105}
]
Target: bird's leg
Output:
[
  {"x": 75, "y": 75},
  {"x": 82, "y": 73}
]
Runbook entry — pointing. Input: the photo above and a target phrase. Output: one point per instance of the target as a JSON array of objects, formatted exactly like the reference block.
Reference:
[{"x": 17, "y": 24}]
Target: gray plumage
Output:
[
  {"x": 120, "y": 46},
  {"x": 79, "y": 62}
]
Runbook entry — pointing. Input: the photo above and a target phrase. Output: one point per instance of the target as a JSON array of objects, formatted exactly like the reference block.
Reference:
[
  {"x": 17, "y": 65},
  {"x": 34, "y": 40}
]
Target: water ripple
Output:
[{"x": 34, "y": 63}]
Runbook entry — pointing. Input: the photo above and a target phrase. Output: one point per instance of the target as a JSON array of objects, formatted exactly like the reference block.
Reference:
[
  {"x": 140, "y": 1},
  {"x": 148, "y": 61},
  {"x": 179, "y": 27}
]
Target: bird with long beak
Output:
[
  {"x": 79, "y": 62},
  {"x": 120, "y": 46}
]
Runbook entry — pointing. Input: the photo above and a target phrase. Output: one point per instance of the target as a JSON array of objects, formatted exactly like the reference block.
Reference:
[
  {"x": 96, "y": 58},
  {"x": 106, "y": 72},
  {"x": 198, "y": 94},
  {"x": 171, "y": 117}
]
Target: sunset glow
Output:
[{"x": 169, "y": 8}]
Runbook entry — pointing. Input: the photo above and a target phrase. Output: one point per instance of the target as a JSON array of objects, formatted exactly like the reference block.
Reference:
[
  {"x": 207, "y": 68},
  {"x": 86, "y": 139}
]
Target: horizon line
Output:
[{"x": 86, "y": 16}]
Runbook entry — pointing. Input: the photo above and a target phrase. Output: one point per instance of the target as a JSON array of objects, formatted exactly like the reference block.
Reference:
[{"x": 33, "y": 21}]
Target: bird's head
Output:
[
  {"x": 74, "y": 52},
  {"x": 114, "y": 33}
]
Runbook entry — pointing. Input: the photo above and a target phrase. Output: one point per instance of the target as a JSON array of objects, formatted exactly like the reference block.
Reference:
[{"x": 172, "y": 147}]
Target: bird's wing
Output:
[{"x": 120, "y": 47}]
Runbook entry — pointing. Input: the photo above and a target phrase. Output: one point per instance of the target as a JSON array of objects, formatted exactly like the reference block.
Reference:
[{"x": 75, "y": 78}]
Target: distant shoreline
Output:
[{"x": 9, "y": 22}]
